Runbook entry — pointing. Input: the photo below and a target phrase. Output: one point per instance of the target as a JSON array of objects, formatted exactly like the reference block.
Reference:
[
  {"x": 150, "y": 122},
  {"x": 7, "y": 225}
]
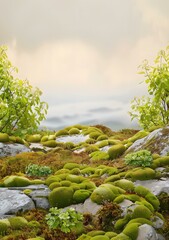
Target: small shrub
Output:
[
  {"x": 36, "y": 170},
  {"x": 63, "y": 220},
  {"x": 140, "y": 158}
]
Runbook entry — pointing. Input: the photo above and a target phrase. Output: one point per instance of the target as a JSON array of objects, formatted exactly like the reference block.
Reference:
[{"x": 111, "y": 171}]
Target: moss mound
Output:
[
  {"x": 4, "y": 137},
  {"x": 34, "y": 138},
  {"x": 141, "y": 212},
  {"x": 141, "y": 174},
  {"x": 125, "y": 184},
  {"x": 131, "y": 230},
  {"x": 16, "y": 181},
  {"x": 116, "y": 151},
  {"x": 50, "y": 143},
  {"x": 61, "y": 197},
  {"x": 102, "y": 194},
  {"x": 18, "y": 222}
]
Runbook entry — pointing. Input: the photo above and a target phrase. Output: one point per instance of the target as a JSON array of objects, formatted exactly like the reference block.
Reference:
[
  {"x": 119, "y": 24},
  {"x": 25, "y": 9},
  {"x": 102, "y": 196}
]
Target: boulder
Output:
[
  {"x": 147, "y": 232},
  {"x": 156, "y": 142},
  {"x": 13, "y": 201},
  {"x": 11, "y": 149}
]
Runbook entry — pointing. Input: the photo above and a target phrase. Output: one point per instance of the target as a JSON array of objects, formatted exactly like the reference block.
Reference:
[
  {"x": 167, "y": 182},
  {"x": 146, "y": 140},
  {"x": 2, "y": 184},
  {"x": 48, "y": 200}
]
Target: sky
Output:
[{"x": 84, "y": 54}]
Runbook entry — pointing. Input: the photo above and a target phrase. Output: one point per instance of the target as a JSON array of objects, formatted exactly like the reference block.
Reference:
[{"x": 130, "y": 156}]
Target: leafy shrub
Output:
[
  {"x": 36, "y": 170},
  {"x": 63, "y": 220},
  {"x": 140, "y": 158}
]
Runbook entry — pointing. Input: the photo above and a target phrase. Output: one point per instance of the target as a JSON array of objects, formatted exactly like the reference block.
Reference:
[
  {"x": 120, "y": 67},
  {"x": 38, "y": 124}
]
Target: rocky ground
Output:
[{"x": 85, "y": 168}]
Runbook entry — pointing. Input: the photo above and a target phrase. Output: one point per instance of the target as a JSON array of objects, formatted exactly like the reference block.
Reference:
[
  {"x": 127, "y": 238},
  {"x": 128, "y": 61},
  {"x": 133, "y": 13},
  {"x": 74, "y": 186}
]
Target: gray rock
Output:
[
  {"x": 156, "y": 142},
  {"x": 157, "y": 222},
  {"x": 147, "y": 232},
  {"x": 41, "y": 202},
  {"x": 11, "y": 149},
  {"x": 13, "y": 201}
]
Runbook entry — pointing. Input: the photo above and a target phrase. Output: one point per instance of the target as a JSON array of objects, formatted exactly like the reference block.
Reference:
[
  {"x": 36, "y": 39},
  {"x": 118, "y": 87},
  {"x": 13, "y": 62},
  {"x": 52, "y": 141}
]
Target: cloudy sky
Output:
[{"x": 80, "y": 51}]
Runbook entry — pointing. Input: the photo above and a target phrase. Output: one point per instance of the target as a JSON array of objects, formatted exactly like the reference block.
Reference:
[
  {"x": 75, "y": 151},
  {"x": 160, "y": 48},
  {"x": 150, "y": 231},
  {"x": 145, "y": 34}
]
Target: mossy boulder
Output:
[
  {"x": 4, "y": 137},
  {"x": 160, "y": 162},
  {"x": 91, "y": 148},
  {"x": 103, "y": 143},
  {"x": 50, "y": 143},
  {"x": 74, "y": 131},
  {"x": 141, "y": 211},
  {"x": 98, "y": 155},
  {"x": 34, "y": 138},
  {"x": 95, "y": 233},
  {"x": 141, "y": 221},
  {"x": 120, "y": 223},
  {"x": 141, "y": 190},
  {"x": 16, "y": 181},
  {"x": 141, "y": 174},
  {"x": 131, "y": 230},
  {"x": 125, "y": 184},
  {"x": 65, "y": 183},
  {"x": 44, "y": 138},
  {"x": 112, "y": 178},
  {"x": 87, "y": 184},
  {"x": 109, "y": 171},
  {"x": 81, "y": 195},
  {"x": 71, "y": 166},
  {"x": 151, "y": 198},
  {"x": 51, "y": 179},
  {"x": 74, "y": 178},
  {"x": 116, "y": 151},
  {"x": 61, "y": 197},
  {"x": 54, "y": 185},
  {"x": 18, "y": 222},
  {"x": 4, "y": 226},
  {"x": 102, "y": 137},
  {"x": 121, "y": 236},
  {"x": 138, "y": 135},
  {"x": 62, "y": 132},
  {"x": 101, "y": 194}
]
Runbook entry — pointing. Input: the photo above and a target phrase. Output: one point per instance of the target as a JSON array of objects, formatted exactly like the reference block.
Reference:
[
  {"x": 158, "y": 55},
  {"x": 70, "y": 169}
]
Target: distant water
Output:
[{"x": 111, "y": 113}]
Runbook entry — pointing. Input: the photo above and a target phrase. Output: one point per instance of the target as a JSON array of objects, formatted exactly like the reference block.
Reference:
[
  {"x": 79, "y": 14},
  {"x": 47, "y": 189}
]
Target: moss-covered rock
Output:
[
  {"x": 4, "y": 137},
  {"x": 84, "y": 237},
  {"x": 112, "y": 178},
  {"x": 103, "y": 143},
  {"x": 160, "y": 162},
  {"x": 44, "y": 138},
  {"x": 88, "y": 171},
  {"x": 101, "y": 194},
  {"x": 121, "y": 236},
  {"x": 54, "y": 185},
  {"x": 116, "y": 151},
  {"x": 95, "y": 233},
  {"x": 125, "y": 184},
  {"x": 16, "y": 181},
  {"x": 109, "y": 171},
  {"x": 71, "y": 166},
  {"x": 141, "y": 190},
  {"x": 141, "y": 211},
  {"x": 102, "y": 137},
  {"x": 151, "y": 198},
  {"x": 4, "y": 226},
  {"x": 74, "y": 178},
  {"x": 34, "y": 138},
  {"x": 91, "y": 148},
  {"x": 81, "y": 195},
  {"x": 138, "y": 135},
  {"x": 110, "y": 234},
  {"x": 87, "y": 184},
  {"x": 98, "y": 155},
  {"x": 62, "y": 132},
  {"x": 61, "y": 197},
  {"x": 141, "y": 174},
  {"x": 120, "y": 223},
  {"x": 131, "y": 230},
  {"x": 100, "y": 237},
  {"x": 74, "y": 131},
  {"x": 18, "y": 222},
  {"x": 141, "y": 221},
  {"x": 50, "y": 143},
  {"x": 51, "y": 179},
  {"x": 65, "y": 183}
]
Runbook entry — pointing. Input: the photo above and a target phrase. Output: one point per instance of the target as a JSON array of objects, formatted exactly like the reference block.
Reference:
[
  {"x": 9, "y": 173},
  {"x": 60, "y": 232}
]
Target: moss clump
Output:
[
  {"x": 141, "y": 211},
  {"x": 51, "y": 179},
  {"x": 87, "y": 185},
  {"x": 69, "y": 145},
  {"x": 61, "y": 197},
  {"x": 81, "y": 195},
  {"x": 4, "y": 137},
  {"x": 4, "y": 226},
  {"x": 112, "y": 178},
  {"x": 71, "y": 166},
  {"x": 18, "y": 222},
  {"x": 74, "y": 131},
  {"x": 119, "y": 199},
  {"x": 88, "y": 171},
  {"x": 34, "y": 138},
  {"x": 125, "y": 184},
  {"x": 151, "y": 198},
  {"x": 27, "y": 191},
  {"x": 138, "y": 135},
  {"x": 91, "y": 141},
  {"x": 102, "y": 194},
  {"x": 44, "y": 138},
  {"x": 141, "y": 174},
  {"x": 102, "y": 137},
  {"x": 103, "y": 143},
  {"x": 16, "y": 181},
  {"x": 142, "y": 191},
  {"x": 94, "y": 135},
  {"x": 120, "y": 223},
  {"x": 131, "y": 230},
  {"x": 160, "y": 162},
  {"x": 109, "y": 171},
  {"x": 91, "y": 148},
  {"x": 65, "y": 183},
  {"x": 116, "y": 151},
  {"x": 50, "y": 143},
  {"x": 74, "y": 178},
  {"x": 121, "y": 236},
  {"x": 98, "y": 155},
  {"x": 84, "y": 237},
  {"x": 110, "y": 234},
  {"x": 100, "y": 237},
  {"x": 95, "y": 233},
  {"x": 62, "y": 132},
  {"x": 54, "y": 185},
  {"x": 141, "y": 220}
]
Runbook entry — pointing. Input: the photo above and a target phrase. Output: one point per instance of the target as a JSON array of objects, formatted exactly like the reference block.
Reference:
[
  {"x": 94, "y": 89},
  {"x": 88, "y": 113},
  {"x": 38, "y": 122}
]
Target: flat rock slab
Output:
[
  {"x": 12, "y": 201},
  {"x": 11, "y": 149}
]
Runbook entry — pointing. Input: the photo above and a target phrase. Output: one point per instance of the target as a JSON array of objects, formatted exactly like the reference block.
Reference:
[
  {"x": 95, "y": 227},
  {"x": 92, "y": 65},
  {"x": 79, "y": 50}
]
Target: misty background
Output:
[{"x": 84, "y": 54}]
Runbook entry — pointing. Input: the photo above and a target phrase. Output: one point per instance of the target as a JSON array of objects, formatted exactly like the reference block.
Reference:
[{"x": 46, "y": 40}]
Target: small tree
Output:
[
  {"x": 21, "y": 109},
  {"x": 154, "y": 110}
]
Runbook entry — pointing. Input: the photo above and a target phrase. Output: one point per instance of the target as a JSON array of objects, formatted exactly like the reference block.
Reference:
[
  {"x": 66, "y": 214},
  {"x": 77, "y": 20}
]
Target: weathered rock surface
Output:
[
  {"x": 12, "y": 201},
  {"x": 156, "y": 142},
  {"x": 147, "y": 232},
  {"x": 11, "y": 149}
]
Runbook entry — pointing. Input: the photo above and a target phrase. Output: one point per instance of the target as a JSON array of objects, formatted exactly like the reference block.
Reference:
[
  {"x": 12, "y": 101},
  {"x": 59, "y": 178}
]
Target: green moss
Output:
[
  {"x": 27, "y": 191},
  {"x": 91, "y": 141},
  {"x": 100, "y": 237},
  {"x": 114, "y": 142},
  {"x": 95, "y": 233},
  {"x": 36, "y": 238},
  {"x": 75, "y": 186},
  {"x": 84, "y": 237},
  {"x": 51, "y": 179},
  {"x": 119, "y": 199},
  {"x": 141, "y": 174},
  {"x": 94, "y": 135},
  {"x": 62, "y": 132},
  {"x": 69, "y": 145},
  {"x": 121, "y": 236},
  {"x": 61, "y": 197},
  {"x": 116, "y": 151},
  {"x": 102, "y": 137},
  {"x": 138, "y": 135},
  {"x": 115, "y": 189},
  {"x": 51, "y": 137},
  {"x": 110, "y": 234},
  {"x": 44, "y": 138},
  {"x": 87, "y": 184},
  {"x": 74, "y": 131},
  {"x": 37, "y": 181},
  {"x": 103, "y": 143},
  {"x": 18, "y": 222},
  {"x": 98, "y": 155},
  {"x": 4, "y": 226},
  {"x": 125, "y": 184},
  {"x": 71, "y": 166},
  {"x": 120, "y": 223},
  {"x": 112, "y": 178},
  {"x": 151, "y": 198},
  {"x": 88, "y": 171},
  {"x": 141, "y": 211},
  {"x": 62, "y": 176},
  {"x": 65, "y": 183},
  {"x": 75, "y": 171},
  {"x": 142, "y": 191},
  {"x": 131, "y": 230},
  {"x": 81, "y": 195},
  {"x": 75, "y": 178},
  {"x": 141, "y": 220},
  {"x": 34, "y": 138},
  {"x": 54, "y": 185},
  {"x": 50, "y": 143},
  {"x": 109, "y": 170},
  {"x": 16, "y": 181},
  {"x": 62, "y": 171},
  {"x": 102, "y": 194},
  {"x": 91, "y": 148},
  {"x": 4, "y": 137},
  {"x": 160, "y": 162},
  {"x": 146, "y": 203},
  {"x": 133, "y": 197}
]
